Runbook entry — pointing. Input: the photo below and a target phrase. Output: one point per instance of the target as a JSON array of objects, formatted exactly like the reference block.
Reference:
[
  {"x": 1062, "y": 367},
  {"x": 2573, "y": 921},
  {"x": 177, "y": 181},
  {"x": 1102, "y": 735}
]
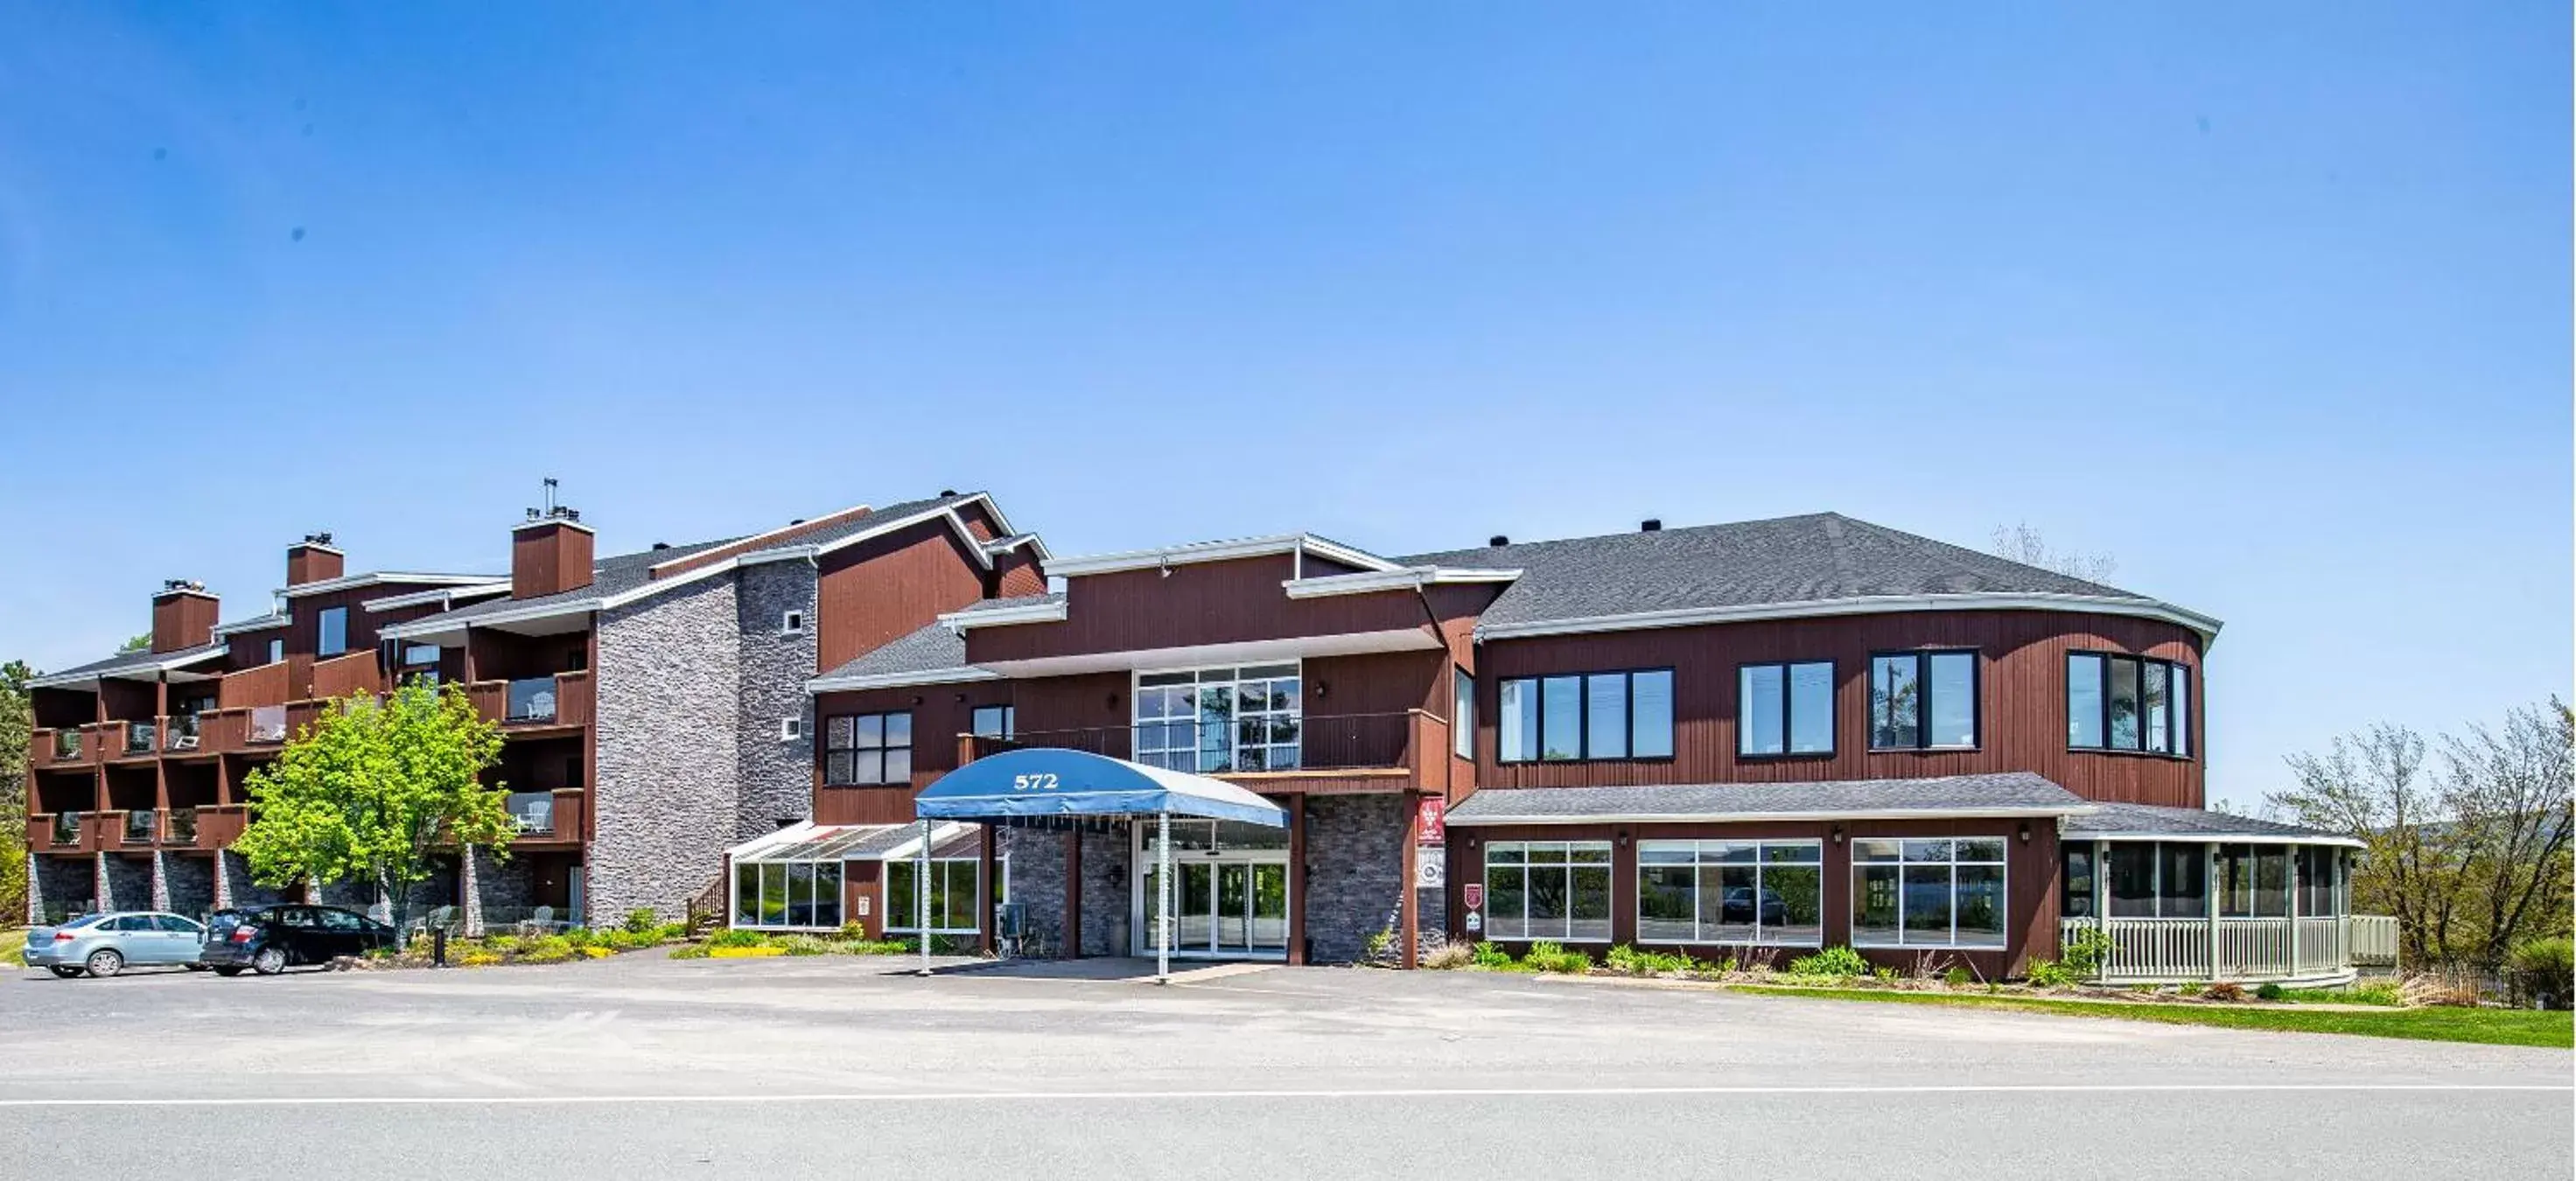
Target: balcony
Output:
[
  {"x": 52, "y": 749},
  {"x": 179, "y": 734},
  {"x": 548, "y": 815},
  {"x": 139, "y": 826},
  {"x": 182, "y": 828},
  {"x": 561, "y": 700},
  {"x": 62, "y": 830},
  {"x": 141, "y": 738},
  {"x": 1409, "y": 748},
  {"x": 267, "y": 726}
]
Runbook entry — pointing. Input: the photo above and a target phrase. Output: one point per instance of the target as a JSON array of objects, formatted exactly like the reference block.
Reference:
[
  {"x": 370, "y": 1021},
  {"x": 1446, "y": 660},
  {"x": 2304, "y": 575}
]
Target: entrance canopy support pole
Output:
[
  {"x": 921, "y": 895},
  {"x": 1163, "y": 901}
]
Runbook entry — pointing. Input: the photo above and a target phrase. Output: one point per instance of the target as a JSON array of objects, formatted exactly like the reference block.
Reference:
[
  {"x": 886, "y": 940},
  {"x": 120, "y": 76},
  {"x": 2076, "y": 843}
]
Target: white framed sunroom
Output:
[{"x": 2270, "y": 904}]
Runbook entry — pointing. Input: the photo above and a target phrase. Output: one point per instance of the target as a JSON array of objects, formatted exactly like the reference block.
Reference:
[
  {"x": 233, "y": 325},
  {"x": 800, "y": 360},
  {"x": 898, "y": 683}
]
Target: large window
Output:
[
  {"x": 1784, "y": 709},
  {"x": 952, "y": 894},
  {"x": 2254, "y": 881},
  {"x": 995, "y": 721},
  {"x": 1623, "y": 715},
  {"x": 1730, "y": 892},
  {"x": 333, "y": 637},
  {"x": 1212, "y": 720},
  {"x": 787, "y": 894},
  {"x": 1462, "y": 713},
  {"x": 1935, "y": 892},
  {"x": 2127, "y": 703},
  {"x": 1922, "y": 700},
  {"x": 2149, "y": 881},
  {"x": 1548, "y": 890},
  {"x": 862, "y": 749}
]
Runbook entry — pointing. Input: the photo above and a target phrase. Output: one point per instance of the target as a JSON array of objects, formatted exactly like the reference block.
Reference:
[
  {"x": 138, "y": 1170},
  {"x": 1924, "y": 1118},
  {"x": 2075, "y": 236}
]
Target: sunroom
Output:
[
  {"x": 818, "y": 877},
  {"x": 2186, "y": 895}
]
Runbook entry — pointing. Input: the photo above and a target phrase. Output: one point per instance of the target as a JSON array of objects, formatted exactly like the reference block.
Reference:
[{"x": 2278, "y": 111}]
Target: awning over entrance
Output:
[
  {"x": 1046, "y": 786},
  {"x": 808, "y": 841}
]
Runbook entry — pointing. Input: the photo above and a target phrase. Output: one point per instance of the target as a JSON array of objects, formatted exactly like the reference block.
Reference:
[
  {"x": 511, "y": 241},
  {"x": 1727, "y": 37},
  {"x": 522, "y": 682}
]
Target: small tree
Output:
[
  {"x": 17, "y": 719},
  {"x": 2023, "y": 544},
  {"x": 141, "y": 643},
  {"x": 374, "y": 789}
]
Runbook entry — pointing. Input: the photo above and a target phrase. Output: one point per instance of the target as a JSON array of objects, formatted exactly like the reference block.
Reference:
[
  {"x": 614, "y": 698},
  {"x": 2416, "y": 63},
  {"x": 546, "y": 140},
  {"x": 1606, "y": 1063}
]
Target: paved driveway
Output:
[{"x": 640, "y": 1067}]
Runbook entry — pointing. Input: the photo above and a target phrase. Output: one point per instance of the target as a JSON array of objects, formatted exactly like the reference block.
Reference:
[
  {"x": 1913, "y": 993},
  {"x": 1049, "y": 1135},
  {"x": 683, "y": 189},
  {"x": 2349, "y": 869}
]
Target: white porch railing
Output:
[
  {"x": 2374, "y": 940},
  {"x": 2167, "y": 950}
]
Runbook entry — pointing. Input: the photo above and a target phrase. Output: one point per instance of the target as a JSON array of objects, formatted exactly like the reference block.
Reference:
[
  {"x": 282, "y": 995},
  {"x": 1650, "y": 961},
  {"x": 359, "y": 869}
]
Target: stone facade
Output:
[
  {"x": 68, "y": 884},
  {"x": 247, "y": 894},
  {"x": 190, "y": 884},
  {"x": 125, "y": 883},
  {"x": 1107, "y": 893},
  {"x": 1036, "y": 879},
  {"x": 500, "y": 890},
  {"x": 777, "y": 774},
  {"x": 668, "y": 785},
  {"x": 1354, "y": 873}
]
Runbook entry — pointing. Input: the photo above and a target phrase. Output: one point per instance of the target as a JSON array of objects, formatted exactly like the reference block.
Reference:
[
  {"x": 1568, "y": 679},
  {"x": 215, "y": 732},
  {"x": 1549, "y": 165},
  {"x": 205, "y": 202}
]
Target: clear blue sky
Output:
[{"x": 2271, "y": 302}]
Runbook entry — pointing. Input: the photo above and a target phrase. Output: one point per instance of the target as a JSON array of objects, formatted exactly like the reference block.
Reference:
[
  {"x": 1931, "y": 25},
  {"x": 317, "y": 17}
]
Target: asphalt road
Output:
[{"x": 640, "y": 1067}]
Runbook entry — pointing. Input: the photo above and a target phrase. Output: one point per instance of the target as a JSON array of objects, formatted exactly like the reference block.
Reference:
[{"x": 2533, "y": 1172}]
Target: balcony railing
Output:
[
  {"x": 533, "y": 810},
  {"x": 182, "y": 829},
  {"x": 1243, "y": 746},
  {"x": 139, "y": 825},
  {"x": 267, "y": 725},
  {"x": 532, "y": 701},
  {"x": 2164, "y": 950},
  {"x": 139, "y": 737},
  {"x": 182, "y": 733}
]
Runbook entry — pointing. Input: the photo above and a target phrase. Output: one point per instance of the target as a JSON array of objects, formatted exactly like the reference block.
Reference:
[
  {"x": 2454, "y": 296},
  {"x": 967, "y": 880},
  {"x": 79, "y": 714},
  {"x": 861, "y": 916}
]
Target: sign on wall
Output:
[
  {"x": 1432, "y": 827},
  {"x": 1474, "y": 893},
  {"x": 1431, "y": 868}
]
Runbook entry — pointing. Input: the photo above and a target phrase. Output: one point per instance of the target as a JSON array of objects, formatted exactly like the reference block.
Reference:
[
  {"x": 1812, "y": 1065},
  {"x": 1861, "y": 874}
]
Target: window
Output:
[
  {"x": 2320, "y": 880},
  {"x": 952, "y": 894},
  {"x": 333, "y": 638},
  {"x": 995, "y": 721},
  {"x": 1548, "y": 890},
  {"x": 420, "y": 654},
  {"x": 868, "y": 748},
  {"x": 2253, "y": 881},
  {"x": 1462, "y": 713},
  {"x": 787, "y": 894},
  {"x": 276, "y": 651},
  {"x": 791, "y": 624},
  {"x": 1934, "y": 892},
  {"x": 2075, "y": 899},
  {"x": 1784, "y": 709},
  {"x": 790, "y": 729},
  {"x": 1626, "y": 715},
  {"x": 1766, "y": 892},
  {"x": 2150, "y": 880},
  {"x": 1214, "y": 720},
  {"x": 2127, "y": 703},
  {"x": 1923, "y": 701}
]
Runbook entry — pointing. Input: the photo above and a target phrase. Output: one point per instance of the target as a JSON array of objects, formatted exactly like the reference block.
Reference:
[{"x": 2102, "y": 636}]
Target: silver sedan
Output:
[{"x": 102, "y": 945}]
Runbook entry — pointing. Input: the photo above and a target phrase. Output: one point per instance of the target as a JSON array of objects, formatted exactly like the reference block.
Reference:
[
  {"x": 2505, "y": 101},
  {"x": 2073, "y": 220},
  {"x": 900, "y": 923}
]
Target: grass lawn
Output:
[
  {"x": 13, "y": 946},
  {"x": 2503, "y": 1027}
]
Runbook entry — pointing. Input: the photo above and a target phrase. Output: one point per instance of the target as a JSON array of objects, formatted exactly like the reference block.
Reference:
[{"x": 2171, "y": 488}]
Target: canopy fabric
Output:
[
  {"x": 808, "y": 841},
  {"x": 1042, "y": 784}
]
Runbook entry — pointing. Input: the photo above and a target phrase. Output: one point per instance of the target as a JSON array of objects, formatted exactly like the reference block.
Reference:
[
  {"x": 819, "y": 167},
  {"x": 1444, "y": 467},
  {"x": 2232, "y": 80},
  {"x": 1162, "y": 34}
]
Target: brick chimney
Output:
[
  {"x": 549, "y": 553},
  {"x": 183, "y": 616},
  {"x": 313, "y": 559}
]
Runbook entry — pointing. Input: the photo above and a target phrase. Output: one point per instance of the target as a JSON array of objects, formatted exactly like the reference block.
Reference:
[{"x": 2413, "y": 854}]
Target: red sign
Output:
[
  {"x": 1433, "y": 826},
  {"x": 1475, "y": 893}
]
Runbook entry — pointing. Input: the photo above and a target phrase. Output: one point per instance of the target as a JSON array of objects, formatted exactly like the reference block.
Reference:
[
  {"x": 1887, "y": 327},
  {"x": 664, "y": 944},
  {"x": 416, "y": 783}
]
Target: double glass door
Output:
[{"x": 1226, "y": 906}]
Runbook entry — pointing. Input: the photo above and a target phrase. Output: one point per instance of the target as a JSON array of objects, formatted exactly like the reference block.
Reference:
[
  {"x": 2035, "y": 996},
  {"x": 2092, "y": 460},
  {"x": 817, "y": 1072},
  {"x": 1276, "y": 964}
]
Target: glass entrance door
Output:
[{"x": 1228, "y": 903}]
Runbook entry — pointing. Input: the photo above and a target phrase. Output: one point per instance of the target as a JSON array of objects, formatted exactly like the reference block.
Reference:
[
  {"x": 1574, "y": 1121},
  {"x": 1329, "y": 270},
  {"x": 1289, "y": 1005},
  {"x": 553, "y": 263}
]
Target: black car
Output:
[{"x": 272, "y": 940}]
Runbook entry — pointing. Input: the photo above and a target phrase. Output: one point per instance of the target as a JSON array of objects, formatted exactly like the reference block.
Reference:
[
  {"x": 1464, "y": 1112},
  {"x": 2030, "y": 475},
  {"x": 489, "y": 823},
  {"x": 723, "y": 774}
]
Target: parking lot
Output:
[{"x": 797, "y": 1067}]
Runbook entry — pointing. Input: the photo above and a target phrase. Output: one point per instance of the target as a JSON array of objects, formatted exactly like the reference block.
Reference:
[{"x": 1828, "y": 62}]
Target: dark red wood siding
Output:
[{"x": 889, "y": 587}]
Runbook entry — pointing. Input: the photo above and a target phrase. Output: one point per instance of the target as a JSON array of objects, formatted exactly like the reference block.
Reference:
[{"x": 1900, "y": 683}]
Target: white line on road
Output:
[{"x": 1359, "y": 1093}]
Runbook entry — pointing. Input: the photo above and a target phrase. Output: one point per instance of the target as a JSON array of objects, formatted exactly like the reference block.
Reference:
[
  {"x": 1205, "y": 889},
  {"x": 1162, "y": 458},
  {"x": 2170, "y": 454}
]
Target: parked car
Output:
[
  {"x": 273, "y": 939},
  {"x": 101, "y": 945}
]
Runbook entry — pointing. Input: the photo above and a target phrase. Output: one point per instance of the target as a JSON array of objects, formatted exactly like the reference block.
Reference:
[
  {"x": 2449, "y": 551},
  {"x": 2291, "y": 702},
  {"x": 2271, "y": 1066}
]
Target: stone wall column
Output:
[
  {"x": 469, "y": 880},
  {"x": 35, "y": 892},
  {"x": 160, "y": 882},
  {"x": 102, "y": 890}
]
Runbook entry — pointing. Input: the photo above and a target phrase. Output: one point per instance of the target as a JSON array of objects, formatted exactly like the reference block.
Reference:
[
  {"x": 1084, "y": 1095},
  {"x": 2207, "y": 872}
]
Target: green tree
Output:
[
  {"x": 376, "y": 788},
  {"x": 141, "y": 643},
  {"x": 17, "y": 724}
]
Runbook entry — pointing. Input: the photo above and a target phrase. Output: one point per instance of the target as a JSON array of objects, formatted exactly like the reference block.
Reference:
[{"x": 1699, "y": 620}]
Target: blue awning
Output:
[{"x": 1044, "y": 784}]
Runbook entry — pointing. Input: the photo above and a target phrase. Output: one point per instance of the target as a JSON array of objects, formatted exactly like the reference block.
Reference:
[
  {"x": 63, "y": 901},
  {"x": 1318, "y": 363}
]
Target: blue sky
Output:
[{"x": 2269, "y": 302}]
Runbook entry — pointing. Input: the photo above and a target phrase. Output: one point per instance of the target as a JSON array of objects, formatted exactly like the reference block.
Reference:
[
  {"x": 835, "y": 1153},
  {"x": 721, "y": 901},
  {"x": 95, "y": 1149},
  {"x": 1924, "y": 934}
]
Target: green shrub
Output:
[
  {"x": 1492, "y": 956},
  {"x": 1637, "y": 962},
  {"x": 2195, "y": 988},
  {"x": 852, "y": 931},
  {"x": 2269, "y": 992},
  {"x": 737, "y": 937},
  {"x": 503, "y": 945},
  {"x": 2086, "y": 951},
  {"x": 642, "y": 921},
  {"x": 1840, "y": 962},
  {"x": 2375, "y": 992},
  {"x": 805, "y": 945},
  {"x": 2543, "y": 968},
  {"x": 551, "y": 949},
  {"x": 1381, "y": 946},
  {"x": 873, "y": 946},
  {"x": 1548, "y": 956},
  {"x": 690, "y": 951},
  {"x": 2052, "y": 974},
  {"x": 1956, "y": 977}
]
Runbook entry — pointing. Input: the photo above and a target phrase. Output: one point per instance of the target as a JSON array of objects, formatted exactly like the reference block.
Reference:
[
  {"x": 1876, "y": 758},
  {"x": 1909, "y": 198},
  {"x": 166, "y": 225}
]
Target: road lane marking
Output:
[{"x": 542, "y": 1100}]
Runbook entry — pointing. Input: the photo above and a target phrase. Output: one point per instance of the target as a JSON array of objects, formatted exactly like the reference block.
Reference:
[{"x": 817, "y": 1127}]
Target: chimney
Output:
[
  {"x": 1651, "y": 525},
  {"x": 313, "y": 559},
  {"x": 549, "y": 553},
  {"x": 183, "y": 616},
  {"x": 1498, "y": 541}
]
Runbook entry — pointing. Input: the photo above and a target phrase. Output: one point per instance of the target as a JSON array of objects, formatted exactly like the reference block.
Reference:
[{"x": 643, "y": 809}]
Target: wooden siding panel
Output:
[
  {"x": 1198, "y": 603},
  {"x": 2022, "y": 686},
  {"x": 889, "y": 587}
]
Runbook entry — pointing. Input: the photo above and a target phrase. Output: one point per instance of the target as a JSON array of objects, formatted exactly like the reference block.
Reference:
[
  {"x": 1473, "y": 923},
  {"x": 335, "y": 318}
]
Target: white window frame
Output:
[
  {"x": 1565, "y": 934},
  {"x": 1703, "y": 858},
  {"x": 276, "y": 649},
  {"x": 321, "y": 632},
  {"x": 1163, "y": 754},
  {"x": 791, "y": 623},
  {"x": 790, "y": 729},
  {"x": 2003, "y": 891},
  {"x": 733, "y": 897},
  {"x": 1462, "y": 713},
  {"x": 975, "y": 867}
]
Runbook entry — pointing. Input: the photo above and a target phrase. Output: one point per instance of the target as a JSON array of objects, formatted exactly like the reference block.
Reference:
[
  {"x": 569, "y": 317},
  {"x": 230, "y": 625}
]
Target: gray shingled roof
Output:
[
  {"x": 1967, "y": 795},
  {"x": 978, "y": 608},
  {"x": 1821, "y": 556},
  {"x": 620, "y": 573},
  {"x": 932, "y": 649},
  {"x": 2142, "y": 819},
  {"x": 124, "y": 661}
]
